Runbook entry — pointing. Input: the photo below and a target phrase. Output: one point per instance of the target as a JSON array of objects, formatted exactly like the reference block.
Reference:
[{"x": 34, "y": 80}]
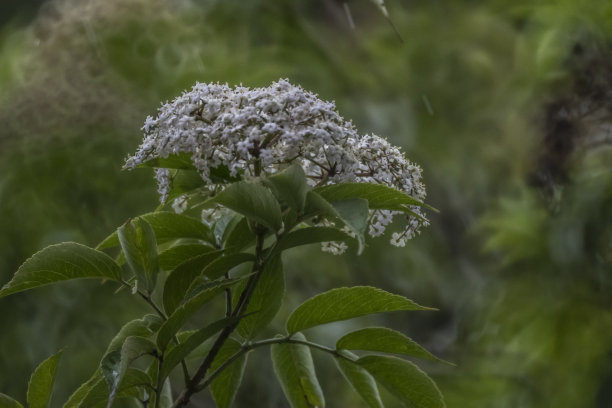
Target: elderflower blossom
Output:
[{"x": 274, "y": 126}]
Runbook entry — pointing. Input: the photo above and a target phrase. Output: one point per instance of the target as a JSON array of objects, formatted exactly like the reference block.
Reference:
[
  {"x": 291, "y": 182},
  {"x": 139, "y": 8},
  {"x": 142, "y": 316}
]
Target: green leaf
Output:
[
  {"x": 239, "y": 237},
  {"x": 225, "y": 386},
  {"x": 378, "y": 196},
  {"x": 254, "y": 201},
  {"x": 143, "y": 327},
  {"x": 134, "y": 379},
  {"x": 79, "y": 395},
  {"x": 179, "y": 280},
  {"x": 181, "y": 314},
  {"x": 166, "y": 399},
  {"x": 182, "y": 161},
  {"x": 266, "y": 300},
  {"x": 354, "y": 214},
  {"x": 347, "y": 303},
  {"x": 41, "y": 382},
  {"x": 138, "y": 243},
  {"x": 173, "y": 161},
  {"x": 115, "y": 364},
  {"x": 182, "y": 350},
  {"x": 221, "y": 265},
  {"x": 383, "y": 340},
  {"x": 185, "y": 182},
  {"x": 223, "y": 225},
  {"x": 311, "y": 235},
  {"x": 216, "y": 269},
  {"x": 8, "y": 402},
  {"x": 62, "y": 262},
  {"x": 317, "y": 205},
  {"x": 360, "y": 379},
  {"x": 404, "y": 380},
  {"x": 295, "y": 371},
  {"x": 168, "y": 226},
  {"x": 178, "y": 254},
  {"x": 290, "y": 186}
]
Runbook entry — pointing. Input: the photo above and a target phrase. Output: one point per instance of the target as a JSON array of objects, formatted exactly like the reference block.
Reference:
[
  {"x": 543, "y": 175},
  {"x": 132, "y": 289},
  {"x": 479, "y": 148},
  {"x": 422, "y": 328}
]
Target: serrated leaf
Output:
[
  {"x": 41, "y": 382},
  {"x": 404, "y": 380},
  {"x": 225, "y": 386},
  {"x": 187, "y": 345},
  {"x": 179, "y": 280},
  {"x": 62, "y": 262},
  {"x": 311, "y": 235},
  {"x": 189, "y": 308},
  {"x": 134, "y": 379},
  {"x": 379, "y": 196},
  {"x": 8, "y": 402},
  {"x": 254, "y": 201},
  {"x": 290, "y": 186},
  {"x": 178, "y": 254},
  {"x": 347, "y": 303},
  {"x": 139, "y": 246},
  {"x": 359, "y": 379},
  {"x": 143, "y": 327},
  {"x": 354, "y": 213},
  {"x": 79, "y": 395},
  {"x": 266, "y": 300},
  {"x": 383, "y": 340},
  {"x": 115, "y": 364},
  {"x": 295, "y": 371},
  {"x": 168, "y": 226}
]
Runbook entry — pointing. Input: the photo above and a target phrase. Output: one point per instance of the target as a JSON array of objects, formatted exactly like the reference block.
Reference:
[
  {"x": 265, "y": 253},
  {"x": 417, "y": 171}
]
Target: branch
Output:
[
  {"x": 246, "y": 348},
  {"x": 193, "y": 385}
]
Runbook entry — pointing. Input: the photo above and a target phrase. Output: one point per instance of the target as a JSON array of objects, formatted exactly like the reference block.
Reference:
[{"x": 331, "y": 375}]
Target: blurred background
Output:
[{"x": 506, "y": 104}]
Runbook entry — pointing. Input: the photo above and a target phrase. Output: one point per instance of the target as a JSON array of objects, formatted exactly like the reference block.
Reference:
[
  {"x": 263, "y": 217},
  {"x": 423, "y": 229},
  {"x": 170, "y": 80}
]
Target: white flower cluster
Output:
[{"x": 259, "y": 131}]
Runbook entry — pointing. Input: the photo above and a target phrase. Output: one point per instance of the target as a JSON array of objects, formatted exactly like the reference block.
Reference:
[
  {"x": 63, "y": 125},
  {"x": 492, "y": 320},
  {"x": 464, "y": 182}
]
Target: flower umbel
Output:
[{"x": 260, "y": 131}]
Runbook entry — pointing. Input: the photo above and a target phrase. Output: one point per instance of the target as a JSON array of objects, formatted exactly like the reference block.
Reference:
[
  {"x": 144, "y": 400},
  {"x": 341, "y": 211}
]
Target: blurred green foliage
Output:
[{"x": 505, "y": 104}]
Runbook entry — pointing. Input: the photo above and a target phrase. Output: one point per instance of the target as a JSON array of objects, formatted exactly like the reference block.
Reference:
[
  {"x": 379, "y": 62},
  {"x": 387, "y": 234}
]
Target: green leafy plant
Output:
[{"x": 245, "y": 175}]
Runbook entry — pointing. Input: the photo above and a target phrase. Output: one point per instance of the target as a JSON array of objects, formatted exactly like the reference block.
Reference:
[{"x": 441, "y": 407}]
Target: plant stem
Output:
[
  {"x": 228, "y": 299},
  {"x": 159, "y": 385},
  {"x": 193, "y": 385},
  {"x": 250, "y": 346},
  {"x": 148, "y": 299}
]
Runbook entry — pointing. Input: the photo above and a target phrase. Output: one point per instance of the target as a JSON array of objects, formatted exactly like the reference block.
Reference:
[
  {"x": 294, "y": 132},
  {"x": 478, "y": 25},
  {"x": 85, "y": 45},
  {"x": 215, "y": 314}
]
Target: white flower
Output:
[
  {"x": 179, "y": 204},
  {"x": 238, "y": 127}
]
